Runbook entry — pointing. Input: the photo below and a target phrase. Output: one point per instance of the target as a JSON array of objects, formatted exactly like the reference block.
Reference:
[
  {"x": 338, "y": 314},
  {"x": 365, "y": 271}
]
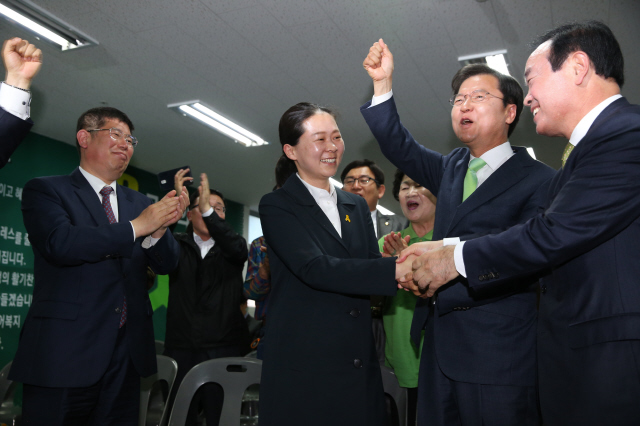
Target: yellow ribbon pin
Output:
[{"x": 347, "y": 219}]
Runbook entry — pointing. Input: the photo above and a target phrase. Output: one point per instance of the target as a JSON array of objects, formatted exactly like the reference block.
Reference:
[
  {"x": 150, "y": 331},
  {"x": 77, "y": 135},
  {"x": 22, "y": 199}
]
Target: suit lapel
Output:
[
  {"x": 301, "y": 195},
  {"x": 507, "y": 175},
  {"x": 88, "y": 197},
  {"x": 456, "y": 188},
  {"x": 565, "y": 172},
  {"x": 125, "y": 205},
  {"x": 347, "y": 218}
]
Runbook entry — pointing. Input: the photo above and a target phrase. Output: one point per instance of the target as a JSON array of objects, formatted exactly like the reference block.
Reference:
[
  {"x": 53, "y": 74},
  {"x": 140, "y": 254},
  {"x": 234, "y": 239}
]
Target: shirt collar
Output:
[
  {"x": 583, "y": 125},
  {"x": 413, "y": 237},
  {"x": 497, "y": 155},
  {"x": 96, "y": 183},
  {"x": 318, "y": 193},
  {"x": 200, "y": 242}
]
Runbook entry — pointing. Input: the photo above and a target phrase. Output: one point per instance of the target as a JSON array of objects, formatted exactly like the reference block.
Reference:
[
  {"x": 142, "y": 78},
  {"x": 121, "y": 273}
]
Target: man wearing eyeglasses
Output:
[
  {"x": 366, "y": 179},
  {"x": 88, "y": 336},
  {"x": 478, "y": 359},
  {"x": 204, "y": 320}
]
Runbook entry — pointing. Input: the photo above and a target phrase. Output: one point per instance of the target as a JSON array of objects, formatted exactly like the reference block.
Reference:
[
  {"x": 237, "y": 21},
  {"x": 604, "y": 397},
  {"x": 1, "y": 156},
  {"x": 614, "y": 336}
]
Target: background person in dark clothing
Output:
[{"x": 204, "y": 320}]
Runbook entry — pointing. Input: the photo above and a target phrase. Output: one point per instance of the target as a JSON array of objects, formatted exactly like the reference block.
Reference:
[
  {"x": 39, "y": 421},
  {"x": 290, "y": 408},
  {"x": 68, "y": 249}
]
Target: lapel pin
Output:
[
  {"x": 347, "y": 219},
  {"x": 386, "y": 224}
]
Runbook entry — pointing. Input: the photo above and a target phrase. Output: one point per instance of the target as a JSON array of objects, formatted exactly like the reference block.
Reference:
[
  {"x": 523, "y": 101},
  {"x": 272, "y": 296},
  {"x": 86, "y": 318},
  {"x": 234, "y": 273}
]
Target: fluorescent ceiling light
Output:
[
  {"x": 384, "y": 211},
  {"x": 335, "y": 183},
  {"x": 496, "y": 60},
  {"x": 531, "y": 153},
  {"x": 204, "y": 114},
  {"x": 43, "y": 24}
]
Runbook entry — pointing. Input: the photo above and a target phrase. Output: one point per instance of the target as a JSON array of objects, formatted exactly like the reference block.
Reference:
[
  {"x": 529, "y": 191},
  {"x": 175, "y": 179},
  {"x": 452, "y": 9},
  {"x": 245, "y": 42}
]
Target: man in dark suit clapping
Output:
[{"x": 88, "y": 336}]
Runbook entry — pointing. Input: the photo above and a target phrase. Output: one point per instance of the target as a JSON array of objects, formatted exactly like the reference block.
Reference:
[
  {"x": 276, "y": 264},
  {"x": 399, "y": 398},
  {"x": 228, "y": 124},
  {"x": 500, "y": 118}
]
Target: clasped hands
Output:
[{"x": 421, "y": 268}]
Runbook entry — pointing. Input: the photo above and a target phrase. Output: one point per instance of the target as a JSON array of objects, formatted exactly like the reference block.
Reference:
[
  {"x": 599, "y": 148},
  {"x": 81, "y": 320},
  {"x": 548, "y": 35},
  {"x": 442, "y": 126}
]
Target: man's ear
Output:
[
  {"x": 381, "y": 190},
  {"x": 83, "y": 138},
  {"x": 511, "y": 113},
  {"x": 580, "y": 66},
  {"x": 290, "y": 152}
]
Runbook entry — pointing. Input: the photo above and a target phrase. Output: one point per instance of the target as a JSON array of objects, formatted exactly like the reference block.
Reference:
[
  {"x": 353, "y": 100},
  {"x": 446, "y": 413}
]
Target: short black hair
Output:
[
  {"x": 591, "y": 37},
  {"x": 378, "y": 174},
  {"x": 397, "y": 181},
  {"x": 511, "y": 90},
  {"x": 96, "y": 117},
  {"x": 195, "y": 194}
]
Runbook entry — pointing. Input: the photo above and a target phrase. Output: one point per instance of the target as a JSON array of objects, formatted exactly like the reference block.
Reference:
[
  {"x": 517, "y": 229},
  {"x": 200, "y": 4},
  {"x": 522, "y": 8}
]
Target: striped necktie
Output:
[{"x": 106, "y": 205}]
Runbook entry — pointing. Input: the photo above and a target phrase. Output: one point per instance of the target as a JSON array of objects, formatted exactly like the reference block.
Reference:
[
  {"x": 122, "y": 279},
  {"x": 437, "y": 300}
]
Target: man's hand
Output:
[
  {"x": 394, "y": 244},
  {"x": 264, "y": 270},
  {"x": 22, "y": 62},
  {"x": 379, "y": 66},
  {"x": 179, "y": 179},
  {"x": 434, "y": 269},
  {"x": 418, "y": 249},
  {"x": 204, "y": 192},
  {"x": 154, "y": 219}
]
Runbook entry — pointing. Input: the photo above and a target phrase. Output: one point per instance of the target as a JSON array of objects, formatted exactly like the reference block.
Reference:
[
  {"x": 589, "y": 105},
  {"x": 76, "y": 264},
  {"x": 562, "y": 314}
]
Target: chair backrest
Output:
[
  {"x": 397, "y": 393},
  {"x": 235, "y": 375},
  {"x": 159, "y": 347},
  {"x": 167, "y": 370}
]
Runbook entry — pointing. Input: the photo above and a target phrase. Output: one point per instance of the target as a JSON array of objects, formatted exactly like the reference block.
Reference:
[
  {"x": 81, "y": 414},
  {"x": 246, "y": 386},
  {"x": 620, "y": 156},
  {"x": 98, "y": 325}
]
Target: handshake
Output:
[{"x": 421, "y": 268}]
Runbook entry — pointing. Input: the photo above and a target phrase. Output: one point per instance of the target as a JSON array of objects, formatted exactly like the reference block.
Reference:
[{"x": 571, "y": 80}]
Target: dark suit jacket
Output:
[
  {"x": 388, "y": 223},
  {"x": 83, "y": 268},
  {"x": 590, "y": 236},
  {"x": 320, "y": 365},
  {"x": 12, "y": 131},
  {"x": 468, "y": 348}
]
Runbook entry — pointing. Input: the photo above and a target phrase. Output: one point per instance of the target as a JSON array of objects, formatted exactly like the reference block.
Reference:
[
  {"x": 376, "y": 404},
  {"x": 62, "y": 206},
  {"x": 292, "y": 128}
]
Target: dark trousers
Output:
[
  {"x": 210, "y": 396},
  {"x": 446, "y": 402},
  {"x": 113, "y": 400}
]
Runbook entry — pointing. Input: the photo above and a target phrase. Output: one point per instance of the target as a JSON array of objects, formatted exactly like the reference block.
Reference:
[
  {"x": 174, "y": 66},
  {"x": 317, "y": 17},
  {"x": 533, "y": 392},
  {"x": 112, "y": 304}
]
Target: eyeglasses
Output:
[
  {"x": 476, "y": 96},
  {"x": 117, "y": 134},
  {"x": 364, "y": 180}
]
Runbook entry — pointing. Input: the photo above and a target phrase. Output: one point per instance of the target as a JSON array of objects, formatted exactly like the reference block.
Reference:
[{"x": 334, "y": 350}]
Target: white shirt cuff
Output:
[
  {"x": 451, "y": 241},
  {"x": 149, "y": 241},
  {"x": 15, "y": 101},
  {"x": 459, "y": 260},
  {"x": 208, "y": 212},
  {"x": 377, "y": 100}
]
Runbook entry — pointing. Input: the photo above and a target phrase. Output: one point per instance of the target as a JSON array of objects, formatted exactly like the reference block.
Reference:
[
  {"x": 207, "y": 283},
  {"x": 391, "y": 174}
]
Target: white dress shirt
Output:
[
  {"x": 15, "y": 101},
  {"x": 97, "y": 184},
  {"x": 327, "y": 201},
  {"x": 374, "y": 219},
  {"x": 204, "y": 246},
  {"x": 576, "y": 136}
]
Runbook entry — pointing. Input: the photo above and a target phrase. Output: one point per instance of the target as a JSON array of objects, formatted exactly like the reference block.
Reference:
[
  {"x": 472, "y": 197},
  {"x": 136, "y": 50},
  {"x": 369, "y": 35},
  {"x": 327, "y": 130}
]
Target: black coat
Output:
[
  {"x": 320, "y": 365},
  {"x": 205, "y": 294}
]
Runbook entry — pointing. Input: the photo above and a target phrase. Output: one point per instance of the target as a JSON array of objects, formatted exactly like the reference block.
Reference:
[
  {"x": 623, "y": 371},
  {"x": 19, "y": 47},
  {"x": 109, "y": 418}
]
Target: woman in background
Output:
[
  {"x": 320, "y": 367},
  {"x": 418, "y": 205}
]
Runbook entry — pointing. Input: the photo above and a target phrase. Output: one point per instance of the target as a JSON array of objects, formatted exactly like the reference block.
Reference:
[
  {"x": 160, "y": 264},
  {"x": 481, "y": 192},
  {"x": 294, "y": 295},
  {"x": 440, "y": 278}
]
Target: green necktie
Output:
[
  {"x": 567, "y": 152},
  {"x": 471, "y": 179}
]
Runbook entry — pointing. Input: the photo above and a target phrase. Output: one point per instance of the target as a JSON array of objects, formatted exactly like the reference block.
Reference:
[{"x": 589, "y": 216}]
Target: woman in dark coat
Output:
[{"x": 320, "y": 366}]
